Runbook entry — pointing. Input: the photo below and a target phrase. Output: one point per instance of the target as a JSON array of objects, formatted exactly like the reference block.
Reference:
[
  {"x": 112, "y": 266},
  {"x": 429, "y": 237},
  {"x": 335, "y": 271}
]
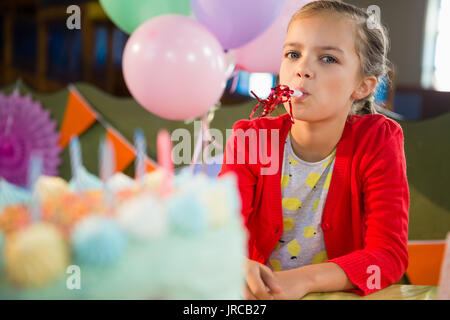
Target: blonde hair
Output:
[{"x": 372, "y": 45}]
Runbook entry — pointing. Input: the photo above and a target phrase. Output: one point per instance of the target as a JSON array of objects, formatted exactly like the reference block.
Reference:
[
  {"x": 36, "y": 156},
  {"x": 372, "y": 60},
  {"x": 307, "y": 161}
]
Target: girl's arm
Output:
[
  {"x": 323, "y": 277},
  {"x": 384, "y": 258}
]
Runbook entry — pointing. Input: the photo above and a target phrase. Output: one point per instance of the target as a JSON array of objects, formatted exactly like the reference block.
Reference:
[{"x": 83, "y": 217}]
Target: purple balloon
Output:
[{"x": 236, "y": 22}]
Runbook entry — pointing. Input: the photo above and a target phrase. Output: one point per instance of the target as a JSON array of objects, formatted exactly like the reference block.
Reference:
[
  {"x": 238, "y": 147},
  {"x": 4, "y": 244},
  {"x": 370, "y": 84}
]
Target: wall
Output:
[{"x": 405, "y": 20}]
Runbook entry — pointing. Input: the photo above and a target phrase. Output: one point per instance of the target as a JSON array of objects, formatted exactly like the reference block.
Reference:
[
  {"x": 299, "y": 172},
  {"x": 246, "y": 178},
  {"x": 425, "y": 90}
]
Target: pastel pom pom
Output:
[
  {"x": 183, "y": 177},
  {"x": 216, "y": 202},
  {"x": 153, "y": 180},
  {"x": 97, "y": 241},
  {"x": 187, "y": 182},
  {"x": 14, "y": 217},
  {"x": 143, "y": 217},
  {"x": 67, "y": 210},
  {"x": 119, "y": 182},
  {"x": 220, "y": 197},
  {"x": 187, "y": 214},
  {"x": 48, "y": 187},
  {"x": 35, "y": 256}
]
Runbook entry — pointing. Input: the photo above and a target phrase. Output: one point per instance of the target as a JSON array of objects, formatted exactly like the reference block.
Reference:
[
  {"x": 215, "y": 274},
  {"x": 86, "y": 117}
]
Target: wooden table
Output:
[{"x": 393, "y": 292}]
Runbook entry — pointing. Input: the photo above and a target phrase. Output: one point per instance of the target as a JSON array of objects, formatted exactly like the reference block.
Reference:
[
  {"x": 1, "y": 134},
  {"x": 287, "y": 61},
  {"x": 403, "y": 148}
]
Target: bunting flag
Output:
[
  {"x": 123, "y": 150},
  {"x": 425, "y": 260},
  {"x": 150, "y": 165},
  {"x": 80, "y": 116},
  {"x": 77, "y": 119}
]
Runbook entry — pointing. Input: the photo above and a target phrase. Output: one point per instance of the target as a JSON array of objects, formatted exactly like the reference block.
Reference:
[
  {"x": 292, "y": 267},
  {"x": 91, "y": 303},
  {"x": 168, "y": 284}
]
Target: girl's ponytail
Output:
[{"x": 364, "y": 106}]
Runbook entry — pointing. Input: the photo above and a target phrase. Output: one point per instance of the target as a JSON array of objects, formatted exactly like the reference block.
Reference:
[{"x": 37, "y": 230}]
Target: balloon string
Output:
[
  {"x": 279, "y": 94},
  {"x": 205, "y": 125},
  {"x": 202, "y": 143},
  {"x": 198, "y": 145},
  {"x": 235, "y": 76}
]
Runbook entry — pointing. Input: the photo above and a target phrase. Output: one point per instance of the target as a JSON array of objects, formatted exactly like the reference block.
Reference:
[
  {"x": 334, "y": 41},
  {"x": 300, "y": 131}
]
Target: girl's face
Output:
[{"x": 331, "y": 76}]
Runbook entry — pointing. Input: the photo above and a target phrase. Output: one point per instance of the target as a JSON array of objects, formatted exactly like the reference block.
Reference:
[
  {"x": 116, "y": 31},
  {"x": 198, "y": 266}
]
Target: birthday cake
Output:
[
  {"x": 122, "y": 238},
  {"x": 189, "y": 245}
]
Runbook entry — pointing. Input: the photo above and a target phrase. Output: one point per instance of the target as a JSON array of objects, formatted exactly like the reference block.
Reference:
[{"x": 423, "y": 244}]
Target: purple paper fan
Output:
[{"x": 26, "y": 128}]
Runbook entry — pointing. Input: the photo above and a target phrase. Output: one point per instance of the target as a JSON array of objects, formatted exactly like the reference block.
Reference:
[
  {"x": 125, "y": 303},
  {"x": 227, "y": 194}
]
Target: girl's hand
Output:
[
  {"x": 261, "y": 282},
  {"x": 294, "y": 283}
]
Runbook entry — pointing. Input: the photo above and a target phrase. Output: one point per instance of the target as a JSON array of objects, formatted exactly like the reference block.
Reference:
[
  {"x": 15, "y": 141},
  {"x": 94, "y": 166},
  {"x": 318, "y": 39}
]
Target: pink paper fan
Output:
[{"x": 26, "y": 128}]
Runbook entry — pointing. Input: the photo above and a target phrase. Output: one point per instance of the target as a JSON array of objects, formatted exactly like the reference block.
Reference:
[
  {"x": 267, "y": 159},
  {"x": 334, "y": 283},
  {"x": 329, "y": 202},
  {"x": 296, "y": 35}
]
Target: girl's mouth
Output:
[{"x": 300, "y": 99}]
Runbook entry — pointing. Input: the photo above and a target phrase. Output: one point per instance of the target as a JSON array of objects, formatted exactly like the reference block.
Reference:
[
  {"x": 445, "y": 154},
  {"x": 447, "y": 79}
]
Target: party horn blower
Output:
[
  {"x": 164, "y": 149},
  {"x": 279, "y": 94}
]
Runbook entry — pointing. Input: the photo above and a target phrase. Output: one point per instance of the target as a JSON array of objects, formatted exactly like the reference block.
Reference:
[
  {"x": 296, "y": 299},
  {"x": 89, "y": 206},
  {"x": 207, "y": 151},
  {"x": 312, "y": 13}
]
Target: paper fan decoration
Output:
[{"x": 25, "y": 129}]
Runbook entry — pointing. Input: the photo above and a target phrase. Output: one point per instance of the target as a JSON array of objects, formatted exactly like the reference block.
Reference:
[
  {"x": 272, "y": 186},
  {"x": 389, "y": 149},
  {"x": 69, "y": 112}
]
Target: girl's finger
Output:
[
  {"x": 269, "y": 279},
  {"x": 257, "y": 286},
  {"x": 247, "y": 294}
]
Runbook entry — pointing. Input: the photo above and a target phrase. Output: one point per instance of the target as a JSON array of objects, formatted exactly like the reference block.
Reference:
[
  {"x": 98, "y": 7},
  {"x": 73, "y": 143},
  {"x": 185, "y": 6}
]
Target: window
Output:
[
  {"x": 261, "y": 84},
  {"x": 441, "y": 58},
  {"x": 242, "y": 82},
  {"x": 436, "y": 64}
]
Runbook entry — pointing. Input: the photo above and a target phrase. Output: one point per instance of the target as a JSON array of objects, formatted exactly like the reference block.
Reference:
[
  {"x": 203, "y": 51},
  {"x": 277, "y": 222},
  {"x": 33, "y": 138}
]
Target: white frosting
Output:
[
  {"x": 119, "y": 182},
  {"x": 143, "y": 217}
]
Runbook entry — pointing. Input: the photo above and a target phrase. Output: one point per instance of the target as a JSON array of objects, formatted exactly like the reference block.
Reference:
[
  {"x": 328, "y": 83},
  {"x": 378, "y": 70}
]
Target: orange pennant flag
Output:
[
  {"x": 150, "y": 165},
  {"x": 123, "y": 150},
  {"x": 77, "y": 119}
]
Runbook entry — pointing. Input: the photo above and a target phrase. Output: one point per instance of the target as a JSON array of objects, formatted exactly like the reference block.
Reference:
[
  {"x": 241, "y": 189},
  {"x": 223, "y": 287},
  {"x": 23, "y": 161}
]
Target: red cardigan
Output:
[{"x": 365, "y": 217}]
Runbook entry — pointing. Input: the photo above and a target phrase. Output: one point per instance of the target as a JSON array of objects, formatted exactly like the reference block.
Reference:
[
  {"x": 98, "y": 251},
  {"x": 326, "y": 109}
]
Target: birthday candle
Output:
[
  {"x": 107, "y": 169},
  {"x": 75, "y": 161},
  {"x": 141, "y": 147},
  {"x": 107, "y": 160},
  {"x": 34, "y": 172},
  {"x": 164, "y": 149}
]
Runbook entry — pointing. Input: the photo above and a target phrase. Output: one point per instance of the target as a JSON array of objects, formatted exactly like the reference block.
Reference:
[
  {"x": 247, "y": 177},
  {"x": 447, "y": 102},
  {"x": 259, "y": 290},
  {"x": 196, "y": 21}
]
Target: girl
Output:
[{"x": 334, "y": 215}]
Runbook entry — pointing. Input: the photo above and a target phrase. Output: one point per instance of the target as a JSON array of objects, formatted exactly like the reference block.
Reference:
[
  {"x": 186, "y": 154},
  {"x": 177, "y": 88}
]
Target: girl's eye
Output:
[
  {"x": 295, "y": 55},
  {"x": 292, "y": 55},
  {"x": 333, "y": 60}
]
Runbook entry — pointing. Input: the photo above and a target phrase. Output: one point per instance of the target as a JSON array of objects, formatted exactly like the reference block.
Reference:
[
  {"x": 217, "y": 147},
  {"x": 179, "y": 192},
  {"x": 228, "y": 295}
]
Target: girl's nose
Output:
[
  {"x": 303, "y": 70},
  {"x": 304, "y": 73}
]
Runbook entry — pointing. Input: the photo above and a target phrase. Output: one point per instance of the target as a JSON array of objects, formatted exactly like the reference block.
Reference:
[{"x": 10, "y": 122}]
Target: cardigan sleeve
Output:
[
  {"x": 384, "y": 258},
  {"x": 246, "y": 178}
]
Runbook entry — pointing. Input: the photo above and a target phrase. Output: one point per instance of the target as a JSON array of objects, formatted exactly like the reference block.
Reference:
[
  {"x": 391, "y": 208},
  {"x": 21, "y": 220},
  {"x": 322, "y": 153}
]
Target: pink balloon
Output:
[
  {"x": 174, "y": 67},
  {"x": 264, "y": 53}
]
